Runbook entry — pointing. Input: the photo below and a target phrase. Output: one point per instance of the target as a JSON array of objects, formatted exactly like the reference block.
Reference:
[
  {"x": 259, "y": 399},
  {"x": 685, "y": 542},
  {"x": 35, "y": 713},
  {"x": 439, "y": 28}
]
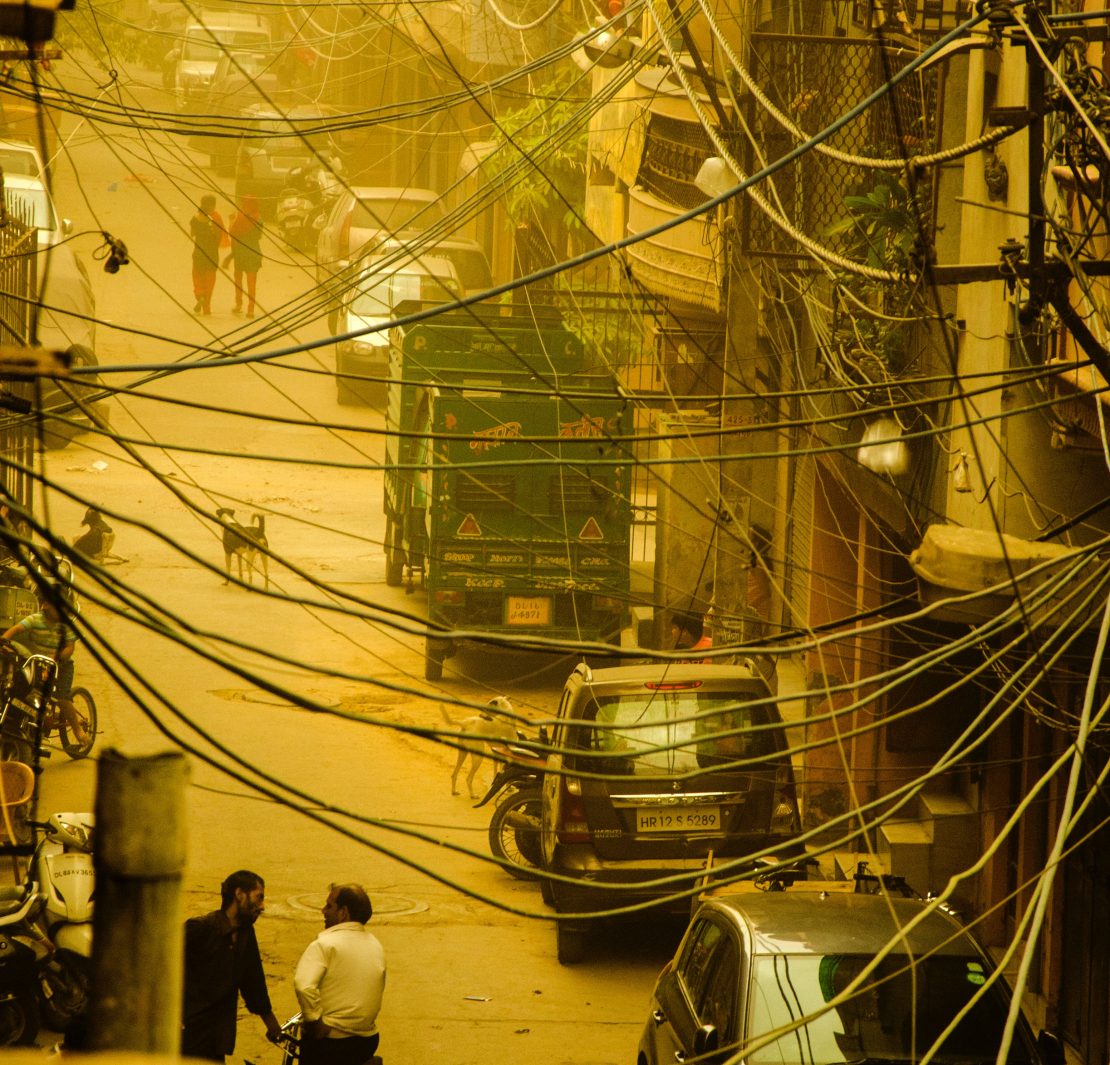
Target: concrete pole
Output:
[{"x": 135, "y": 1001}]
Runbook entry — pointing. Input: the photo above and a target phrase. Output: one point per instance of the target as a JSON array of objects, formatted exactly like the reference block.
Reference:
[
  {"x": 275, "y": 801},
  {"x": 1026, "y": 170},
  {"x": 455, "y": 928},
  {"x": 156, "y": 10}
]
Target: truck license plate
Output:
[
  {"x": 528, "y": 610},
  {"x": 679, "y": 819}
]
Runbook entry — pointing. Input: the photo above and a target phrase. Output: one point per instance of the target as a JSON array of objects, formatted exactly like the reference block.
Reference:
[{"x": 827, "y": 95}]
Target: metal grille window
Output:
[
  {"x": 485, "y": 491},
  {"x": 814, "y": 80},
  {"x": 673, "y": 154}
]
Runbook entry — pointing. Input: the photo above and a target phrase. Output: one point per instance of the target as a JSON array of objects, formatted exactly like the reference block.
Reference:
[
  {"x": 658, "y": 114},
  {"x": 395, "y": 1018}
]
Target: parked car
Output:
[
  {"x": 466, "y": 256},
  {"x": 695, "y": 761},
  {"x": 31, "y": 200},
  {"x": 189, "y": 68},
  {"x": 364, "y": 216},
  {"x": 372, "y": 300},
  {"x": 283, "y": 141},
  {"x": 756, "y": 963},
  {"x": 67, "y": 323},
  {"x": 20, "y": 158}
]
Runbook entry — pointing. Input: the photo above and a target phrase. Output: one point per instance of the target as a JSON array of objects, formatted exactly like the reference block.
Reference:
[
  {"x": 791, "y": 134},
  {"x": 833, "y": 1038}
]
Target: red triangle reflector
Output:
[
  {"x": 469, "y": 527},
  {"x": 591, "y": 531}
]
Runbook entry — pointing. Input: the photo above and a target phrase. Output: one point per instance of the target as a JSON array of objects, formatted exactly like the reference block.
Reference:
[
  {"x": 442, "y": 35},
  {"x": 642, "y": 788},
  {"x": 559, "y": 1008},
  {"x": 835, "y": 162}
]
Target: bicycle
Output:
[
  {"x": 289, "y": 1041},
  {"x": 29, "y": 710}
]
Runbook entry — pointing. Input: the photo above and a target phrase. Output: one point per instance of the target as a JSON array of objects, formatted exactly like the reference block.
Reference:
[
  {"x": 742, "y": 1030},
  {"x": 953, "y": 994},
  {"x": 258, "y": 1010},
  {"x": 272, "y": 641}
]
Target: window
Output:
[
  {"x": 710, "y": 970},
  {"x": 666, "y": 732},
  {"x": 895, "y": 1016}
]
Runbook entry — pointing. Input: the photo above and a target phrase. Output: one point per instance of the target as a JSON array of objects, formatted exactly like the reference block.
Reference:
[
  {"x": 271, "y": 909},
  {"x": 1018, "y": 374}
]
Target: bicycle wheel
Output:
[{"x": 86, "y": 711}]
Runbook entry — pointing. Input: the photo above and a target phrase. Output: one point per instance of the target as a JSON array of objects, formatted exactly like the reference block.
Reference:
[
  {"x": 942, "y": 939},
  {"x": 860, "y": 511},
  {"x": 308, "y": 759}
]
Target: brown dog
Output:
[
  {"x": 481, "y": 729},
  {"x": 244, "y": 543}
]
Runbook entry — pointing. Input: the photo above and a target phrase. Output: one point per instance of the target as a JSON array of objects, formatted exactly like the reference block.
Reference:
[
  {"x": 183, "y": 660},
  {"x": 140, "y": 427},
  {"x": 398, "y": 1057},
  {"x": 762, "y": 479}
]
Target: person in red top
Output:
[
  {"x": 246, "y": 251},
  {"x": 688, "y": 633},
  {"x": 206, "y": 228}
]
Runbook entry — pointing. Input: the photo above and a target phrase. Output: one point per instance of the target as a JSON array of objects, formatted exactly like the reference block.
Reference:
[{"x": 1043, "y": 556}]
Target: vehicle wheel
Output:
[
  {"x": 57, "y": 434},
  {"x": 433, "y": 663},
  {"x": 294, "y": 236},
  {"x": 345, "y": 395},
  {"x": 520, "y": 846},
  {"x": 546, "y": 892},
  {"x": 16, "y": 750},
  {"x": 65, "y": 990},
  {"x": 570, "y": 940},
  {"x": 86, "y": 709},
  {"x": 394, "y": 557},
  {"x": 19, "y": 1017}
]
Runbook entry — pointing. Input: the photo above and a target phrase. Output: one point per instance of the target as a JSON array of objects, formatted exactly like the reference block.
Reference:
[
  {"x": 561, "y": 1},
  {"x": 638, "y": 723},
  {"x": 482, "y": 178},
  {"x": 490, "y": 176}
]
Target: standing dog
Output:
[
  {"x": 481, "y": 729},
  {"x": 244, "y": 543}
]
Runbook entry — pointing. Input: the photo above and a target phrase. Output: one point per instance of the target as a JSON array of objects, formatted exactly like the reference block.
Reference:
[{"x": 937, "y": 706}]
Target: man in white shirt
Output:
[{"x": 339, "y": 983}]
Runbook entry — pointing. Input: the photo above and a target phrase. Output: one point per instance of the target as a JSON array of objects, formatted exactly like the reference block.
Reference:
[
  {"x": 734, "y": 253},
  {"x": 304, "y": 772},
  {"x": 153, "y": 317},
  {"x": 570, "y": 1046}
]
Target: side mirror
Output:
[{"x": 1050, "y": 1049}]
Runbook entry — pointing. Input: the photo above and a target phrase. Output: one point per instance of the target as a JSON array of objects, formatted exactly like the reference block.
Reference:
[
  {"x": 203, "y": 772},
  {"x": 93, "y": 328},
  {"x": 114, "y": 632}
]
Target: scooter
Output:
[
  {"x": 293, "y": 215},
  {"x": 514, "y": 828},
  {"x": 305, "y": 204},
  {"x": 62, "y": 866}
]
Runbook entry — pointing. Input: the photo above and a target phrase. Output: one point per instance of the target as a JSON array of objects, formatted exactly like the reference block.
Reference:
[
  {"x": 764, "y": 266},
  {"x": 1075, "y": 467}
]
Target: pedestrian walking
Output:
[
  {"x": 221, "y": 963},
  {"x": 339, "y": 983},
  {"x": 246, "y": 251},
  {"x": 209, "y": 235}
]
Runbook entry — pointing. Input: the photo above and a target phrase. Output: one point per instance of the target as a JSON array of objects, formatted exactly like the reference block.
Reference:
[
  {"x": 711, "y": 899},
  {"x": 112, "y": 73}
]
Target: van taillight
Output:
[{"x": 571, "y": 827}]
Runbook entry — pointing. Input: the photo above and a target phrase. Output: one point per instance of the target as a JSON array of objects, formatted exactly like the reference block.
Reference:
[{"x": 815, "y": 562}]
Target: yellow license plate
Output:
[
  {"x": 528, "y": 610},
  {"x": 679, "y": 819}
]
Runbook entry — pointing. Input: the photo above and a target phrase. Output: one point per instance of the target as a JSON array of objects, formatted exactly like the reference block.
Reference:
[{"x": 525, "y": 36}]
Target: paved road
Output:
[{"x": 471, "y": 951}]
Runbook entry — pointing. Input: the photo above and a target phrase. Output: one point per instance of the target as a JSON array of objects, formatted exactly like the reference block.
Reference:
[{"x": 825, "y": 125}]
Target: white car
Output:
[
  {"x": 29, "y": 199},
  {"x": 18, "y": 158},
  {"x": 372, "y": 301}
]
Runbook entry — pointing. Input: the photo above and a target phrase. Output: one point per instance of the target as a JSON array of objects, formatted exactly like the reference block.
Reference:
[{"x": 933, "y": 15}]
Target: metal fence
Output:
[
  {"x": 815, "y": 80},
  {"x": 18, "y": 245}
]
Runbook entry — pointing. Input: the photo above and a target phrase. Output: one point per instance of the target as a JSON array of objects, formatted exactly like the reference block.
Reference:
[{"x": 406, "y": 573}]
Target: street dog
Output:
[
  {"x": 245, "y": 544},
  {"x": 96, "y": 544},
  {"x": 481, "y": 729}
]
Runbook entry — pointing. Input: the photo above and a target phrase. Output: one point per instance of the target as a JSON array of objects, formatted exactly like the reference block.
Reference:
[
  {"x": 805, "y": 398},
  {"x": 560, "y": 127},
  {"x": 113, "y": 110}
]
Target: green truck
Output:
[{"x": 508, "y": 466}]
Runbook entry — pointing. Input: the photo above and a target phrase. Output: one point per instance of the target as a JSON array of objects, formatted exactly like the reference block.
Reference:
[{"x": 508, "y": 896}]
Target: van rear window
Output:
[{"x": 669, "y": 732}]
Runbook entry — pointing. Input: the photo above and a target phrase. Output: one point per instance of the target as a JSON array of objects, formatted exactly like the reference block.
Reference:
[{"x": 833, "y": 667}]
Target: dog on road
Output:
[
  {"x": 97, "y": 542},
  {"x": 245, "y": 544},
  {"x": 482, "y": 730}
]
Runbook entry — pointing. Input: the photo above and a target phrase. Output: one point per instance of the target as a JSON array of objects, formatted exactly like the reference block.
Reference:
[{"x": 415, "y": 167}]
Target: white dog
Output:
[{"x": 481, "y": 729}]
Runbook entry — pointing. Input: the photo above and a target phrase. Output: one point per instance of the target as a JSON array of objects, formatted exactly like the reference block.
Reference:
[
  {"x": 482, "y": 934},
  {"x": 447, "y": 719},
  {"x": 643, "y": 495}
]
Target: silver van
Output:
[{"x": 206, "y": 38}]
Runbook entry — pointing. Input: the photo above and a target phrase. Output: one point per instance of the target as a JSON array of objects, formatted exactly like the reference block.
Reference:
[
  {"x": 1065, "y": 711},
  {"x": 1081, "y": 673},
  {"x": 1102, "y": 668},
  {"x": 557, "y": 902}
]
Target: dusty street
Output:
[{"x": 472, "y": 969}]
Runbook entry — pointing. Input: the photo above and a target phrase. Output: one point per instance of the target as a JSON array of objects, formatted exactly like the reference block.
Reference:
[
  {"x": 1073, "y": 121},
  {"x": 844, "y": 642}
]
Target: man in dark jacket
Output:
[{"x": 222, "y": 962}]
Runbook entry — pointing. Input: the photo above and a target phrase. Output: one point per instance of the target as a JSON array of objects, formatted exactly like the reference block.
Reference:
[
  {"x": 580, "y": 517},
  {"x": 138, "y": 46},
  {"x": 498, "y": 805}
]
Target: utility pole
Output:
[{"x": 138, "y": 929}]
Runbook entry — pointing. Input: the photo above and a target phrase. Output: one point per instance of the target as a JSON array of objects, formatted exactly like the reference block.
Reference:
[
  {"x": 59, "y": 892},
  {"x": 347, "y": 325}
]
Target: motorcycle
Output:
[
  {"x": 514, "y": 828},
  {"x": 62, "y": 866},
  {"x": 20, "y": 1017}
]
